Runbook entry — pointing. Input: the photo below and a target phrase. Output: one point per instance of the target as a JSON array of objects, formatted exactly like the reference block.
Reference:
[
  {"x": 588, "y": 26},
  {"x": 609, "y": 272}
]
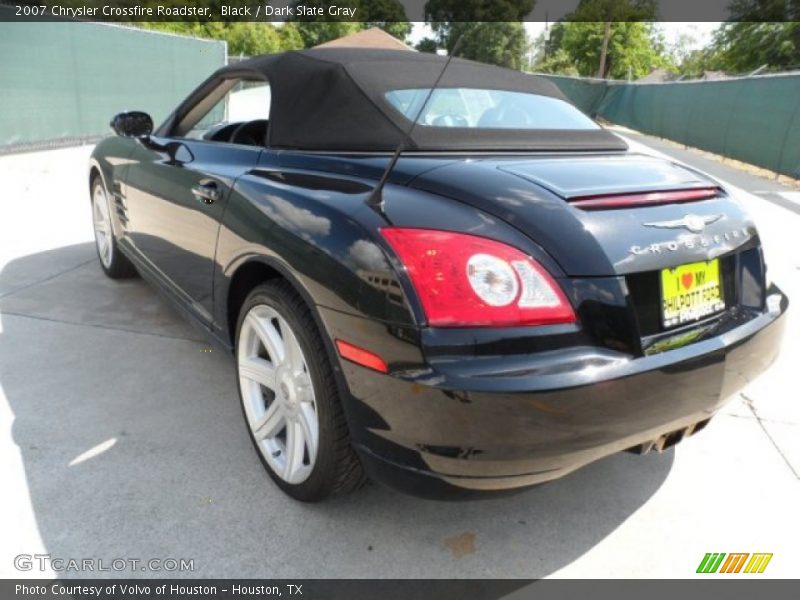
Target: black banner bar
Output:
[
  {"x": 731, "y": 588},
  {"x": 259, "y": 589},
  {"x": 415, "y": 10}
]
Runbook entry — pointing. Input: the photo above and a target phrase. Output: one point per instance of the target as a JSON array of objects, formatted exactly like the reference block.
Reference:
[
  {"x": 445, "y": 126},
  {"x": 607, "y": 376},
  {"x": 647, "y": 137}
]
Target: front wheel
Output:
[
  {"x": 290, "y": 399},
  {"x": 113, "y": 262}
]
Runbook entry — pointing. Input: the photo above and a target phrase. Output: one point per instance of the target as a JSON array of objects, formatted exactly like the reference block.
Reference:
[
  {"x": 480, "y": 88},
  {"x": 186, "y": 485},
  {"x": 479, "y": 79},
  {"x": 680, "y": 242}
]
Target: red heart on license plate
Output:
[{"x": 686, "y": 280}]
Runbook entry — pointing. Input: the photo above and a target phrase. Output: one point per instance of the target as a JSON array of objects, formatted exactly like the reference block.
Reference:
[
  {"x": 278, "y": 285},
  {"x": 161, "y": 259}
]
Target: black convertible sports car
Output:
[{"x": 512, "y": 296}]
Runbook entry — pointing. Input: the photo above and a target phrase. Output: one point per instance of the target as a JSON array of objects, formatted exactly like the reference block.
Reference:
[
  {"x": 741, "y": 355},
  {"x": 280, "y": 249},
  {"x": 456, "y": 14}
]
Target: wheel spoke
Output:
[
  {"x": 258, "y": 370},
  {"x": 295, "y": 449},
  {"x": 271, "y": 423},
  {"x": 294, "y": 354},
  {"x": 102, "y": 226},
  {"x": 269, "y": 336},
  {"x": 307, "y": 419}
]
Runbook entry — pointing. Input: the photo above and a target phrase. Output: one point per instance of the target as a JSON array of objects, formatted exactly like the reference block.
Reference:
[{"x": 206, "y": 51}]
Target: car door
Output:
[{"x": 176, "y": 194}]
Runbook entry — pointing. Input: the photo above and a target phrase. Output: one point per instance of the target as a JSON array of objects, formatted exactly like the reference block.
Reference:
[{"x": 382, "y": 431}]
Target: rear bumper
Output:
[{"x": 455, "y": 431}]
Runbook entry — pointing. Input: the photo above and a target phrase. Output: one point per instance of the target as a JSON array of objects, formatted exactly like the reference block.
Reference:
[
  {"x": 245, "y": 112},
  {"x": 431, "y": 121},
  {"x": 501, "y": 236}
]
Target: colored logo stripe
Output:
[
  {"x": 758, "y": 563},
  {"x": 710, "y": 562},
  {"x": 733, "y": 564}
]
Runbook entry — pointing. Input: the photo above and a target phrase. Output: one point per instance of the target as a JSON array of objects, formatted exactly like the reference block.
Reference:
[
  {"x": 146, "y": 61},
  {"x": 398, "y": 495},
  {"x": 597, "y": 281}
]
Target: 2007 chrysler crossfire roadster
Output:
[{"x": 442, "y": 276}]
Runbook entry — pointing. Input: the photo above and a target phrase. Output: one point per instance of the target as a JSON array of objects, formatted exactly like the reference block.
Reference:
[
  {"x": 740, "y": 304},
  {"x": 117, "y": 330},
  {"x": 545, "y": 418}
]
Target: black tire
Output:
[
  {"x": 118, "y": 266},
  {"x": 337, "y": 469}
]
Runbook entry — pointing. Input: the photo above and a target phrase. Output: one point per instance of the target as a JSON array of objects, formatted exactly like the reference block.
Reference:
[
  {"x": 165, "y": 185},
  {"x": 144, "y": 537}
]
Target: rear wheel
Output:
[
  {"x": 290, "y": 399},
  {"x": 113, "y": 262}
]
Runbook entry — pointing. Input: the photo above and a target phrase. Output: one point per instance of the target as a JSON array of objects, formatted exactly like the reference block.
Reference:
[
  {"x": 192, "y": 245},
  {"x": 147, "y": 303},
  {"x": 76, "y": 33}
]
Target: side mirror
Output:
[{"x": 134, "y": 124}]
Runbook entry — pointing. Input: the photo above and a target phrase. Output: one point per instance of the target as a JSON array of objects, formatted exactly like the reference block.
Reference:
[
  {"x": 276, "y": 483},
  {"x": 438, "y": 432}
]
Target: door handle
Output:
[{"x": 206, "y": 191}]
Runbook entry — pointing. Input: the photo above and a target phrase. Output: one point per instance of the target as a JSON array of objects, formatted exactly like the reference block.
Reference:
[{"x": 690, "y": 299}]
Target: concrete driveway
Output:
[{"x": 121, "y": 437}]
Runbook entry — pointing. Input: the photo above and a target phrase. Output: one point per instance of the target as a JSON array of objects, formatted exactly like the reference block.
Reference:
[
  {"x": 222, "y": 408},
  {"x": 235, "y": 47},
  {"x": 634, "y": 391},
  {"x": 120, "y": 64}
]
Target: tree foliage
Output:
[
  {"x": 595, "y": 11},
  {"x": 252, "y": 38},
  {"x": 389, "y": 15},
  {"x": 490, "y": 32},
  {"x": 243, "y": 37},
  {"x": 290, "y": 37},
  {"x": 634, "y": 49},
  {"x": 610, "y": 38},
  {"x": 427, "y": 45},
  {"x": 759, "y": 33},
  {"x": 744, "y": 46},
  {"x": 559, "y": 63},
  {"x": 462, "y": 11},
  {"x": 501, "y": 43},
  {"x": 314, "y": 33}
]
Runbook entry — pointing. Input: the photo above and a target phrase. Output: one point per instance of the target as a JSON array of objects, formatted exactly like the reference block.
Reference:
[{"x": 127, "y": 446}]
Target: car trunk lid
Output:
[
  {"x": 667, "y": 214},
  {"x": 599, "y": 176}
]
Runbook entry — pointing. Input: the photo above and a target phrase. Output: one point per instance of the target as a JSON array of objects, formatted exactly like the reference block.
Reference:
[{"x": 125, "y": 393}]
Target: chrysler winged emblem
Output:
[{"x": 694, "y": 223}]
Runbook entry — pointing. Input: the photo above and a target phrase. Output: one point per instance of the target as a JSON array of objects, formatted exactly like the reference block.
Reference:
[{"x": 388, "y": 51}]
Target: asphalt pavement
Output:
[{"x": 121, "y": 437}]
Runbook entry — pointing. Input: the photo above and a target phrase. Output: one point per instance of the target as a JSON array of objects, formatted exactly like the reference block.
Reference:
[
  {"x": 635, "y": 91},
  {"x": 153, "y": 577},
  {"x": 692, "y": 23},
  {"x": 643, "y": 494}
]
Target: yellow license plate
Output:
[{"x": 690, "y": 292}]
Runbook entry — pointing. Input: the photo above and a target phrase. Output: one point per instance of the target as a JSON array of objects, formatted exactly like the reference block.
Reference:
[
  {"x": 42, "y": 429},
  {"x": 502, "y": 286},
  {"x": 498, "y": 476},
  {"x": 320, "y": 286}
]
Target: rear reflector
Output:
[
  {"x": 362, "y": 357},
  {"x": 643, "y": 199}
]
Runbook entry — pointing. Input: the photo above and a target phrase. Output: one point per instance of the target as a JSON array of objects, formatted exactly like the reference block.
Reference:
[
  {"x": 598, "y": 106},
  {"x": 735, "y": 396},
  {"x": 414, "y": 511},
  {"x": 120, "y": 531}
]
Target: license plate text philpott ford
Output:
[{"x": 690, "y": 292}]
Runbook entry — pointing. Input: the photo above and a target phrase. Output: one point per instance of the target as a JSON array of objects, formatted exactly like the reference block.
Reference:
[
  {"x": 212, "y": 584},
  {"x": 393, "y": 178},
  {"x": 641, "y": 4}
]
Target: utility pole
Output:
[
  {"x": 601, "y": 72},
  {"x": 546, "y": 33}
]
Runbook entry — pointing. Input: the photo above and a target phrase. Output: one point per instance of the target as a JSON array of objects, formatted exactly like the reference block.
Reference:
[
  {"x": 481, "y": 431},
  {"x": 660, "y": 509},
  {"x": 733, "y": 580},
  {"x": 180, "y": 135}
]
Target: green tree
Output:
[
  {"x": 602, "y": 11},
  {"x": 558, "y": 62},
  {"x": 609, "y": 12},
  {"x": 759, "y": 32},
  {"x": 496, "y": 43},
  {"x": 696, "y": 62},
  {"x": 490, "y": 32},
  {"x": 454, "y": 19},
  {"x": 243, "y": 37},
  {"x": 744, "y": 46},
  {"x": 389, "y": 15},
  {"x": 632, "y": 49},
  {"x": 443, "y": 13},
  {"x": 427, "y": 45},
  {"x": 250, "y": 39},
  {"x": 314, "y": 33},
  {"x": 290, "y": 37}
]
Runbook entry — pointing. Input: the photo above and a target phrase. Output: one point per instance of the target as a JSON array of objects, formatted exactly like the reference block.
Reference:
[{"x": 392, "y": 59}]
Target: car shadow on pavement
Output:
[{"x": 134, "y": 447}]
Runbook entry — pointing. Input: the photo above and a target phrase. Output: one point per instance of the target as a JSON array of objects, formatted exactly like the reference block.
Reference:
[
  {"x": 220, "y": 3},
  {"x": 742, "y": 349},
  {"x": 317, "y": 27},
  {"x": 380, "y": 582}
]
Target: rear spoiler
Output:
[{"x": 635, "y": 199}]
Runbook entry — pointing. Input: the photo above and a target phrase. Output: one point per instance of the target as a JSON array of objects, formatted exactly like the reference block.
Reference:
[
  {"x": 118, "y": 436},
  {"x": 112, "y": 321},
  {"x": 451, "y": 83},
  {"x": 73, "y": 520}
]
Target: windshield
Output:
[{"x": 488, "y": 109}]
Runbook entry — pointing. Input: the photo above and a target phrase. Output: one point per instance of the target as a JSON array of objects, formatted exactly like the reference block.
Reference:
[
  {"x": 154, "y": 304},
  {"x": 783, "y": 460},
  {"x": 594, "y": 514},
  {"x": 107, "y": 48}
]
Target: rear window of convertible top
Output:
[{"x": 488, "y": 109}]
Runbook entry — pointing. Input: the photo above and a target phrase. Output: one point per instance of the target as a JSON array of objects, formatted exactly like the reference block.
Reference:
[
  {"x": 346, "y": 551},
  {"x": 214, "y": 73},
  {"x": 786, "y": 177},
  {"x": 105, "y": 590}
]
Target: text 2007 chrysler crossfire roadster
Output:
[{"x": 435, "y": 273}]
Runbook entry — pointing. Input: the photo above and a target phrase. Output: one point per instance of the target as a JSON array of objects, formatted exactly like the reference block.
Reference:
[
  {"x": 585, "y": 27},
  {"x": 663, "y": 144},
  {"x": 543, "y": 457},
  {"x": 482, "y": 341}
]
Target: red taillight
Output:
[
  {"x": 362, "y": 357},
  {"x": 643, "y": 198},
  {"x": 468, "y": 281}
]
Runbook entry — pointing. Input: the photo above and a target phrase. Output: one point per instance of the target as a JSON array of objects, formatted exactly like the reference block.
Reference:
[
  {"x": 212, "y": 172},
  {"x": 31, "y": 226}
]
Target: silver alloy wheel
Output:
[
  {"x": 102, "y": 226},
  {"x": 277, "y": 394}
]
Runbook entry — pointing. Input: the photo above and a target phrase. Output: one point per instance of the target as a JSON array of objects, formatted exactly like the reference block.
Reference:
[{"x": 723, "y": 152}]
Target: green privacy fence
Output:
[
  {"x": 752, "y": 119},
  {"x": 63, "y": 81}
]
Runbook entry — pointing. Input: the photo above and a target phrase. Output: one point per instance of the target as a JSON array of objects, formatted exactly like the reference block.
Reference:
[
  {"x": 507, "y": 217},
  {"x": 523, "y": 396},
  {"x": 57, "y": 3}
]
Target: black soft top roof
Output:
[{"x": 334, "y": 99}]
